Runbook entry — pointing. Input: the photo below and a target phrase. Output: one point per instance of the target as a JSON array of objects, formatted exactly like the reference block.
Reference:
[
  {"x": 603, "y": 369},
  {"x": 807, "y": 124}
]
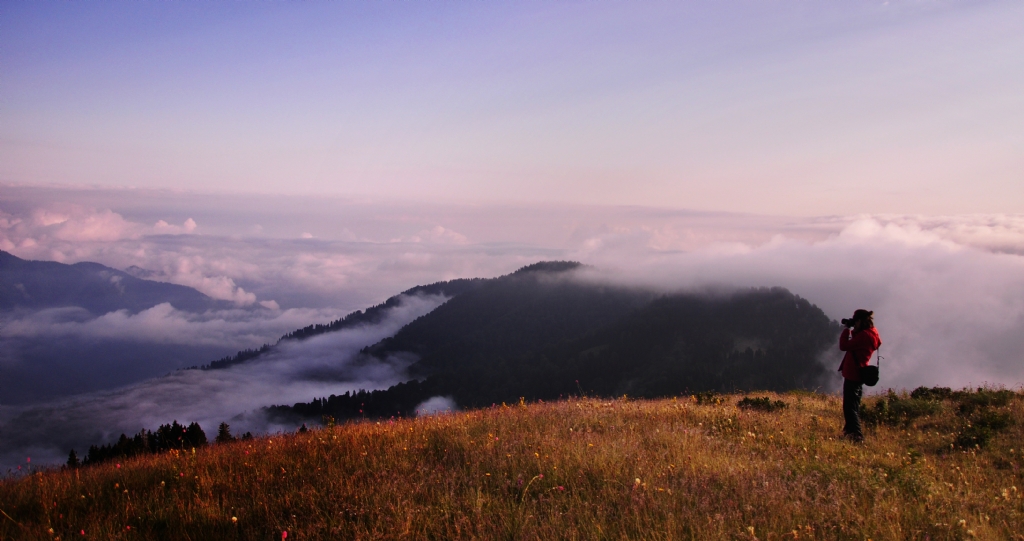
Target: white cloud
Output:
[
  {"x": 297, "y": 371},
  {"x": 164, "y": 228},
  {"x": 435, "y": 235},
  {"x": 61, "y": 222},
  {"x": 437, "y": 404},
  {"x": 163, "y": 324}
]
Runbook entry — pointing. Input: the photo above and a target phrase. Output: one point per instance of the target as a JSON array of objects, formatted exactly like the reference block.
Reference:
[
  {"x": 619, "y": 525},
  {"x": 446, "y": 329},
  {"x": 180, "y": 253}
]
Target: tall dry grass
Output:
[{"x": 578, "y": 469}]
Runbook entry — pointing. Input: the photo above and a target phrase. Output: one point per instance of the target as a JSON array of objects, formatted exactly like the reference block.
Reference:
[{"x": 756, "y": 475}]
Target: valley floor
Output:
[{"x": 579, "y": 469}]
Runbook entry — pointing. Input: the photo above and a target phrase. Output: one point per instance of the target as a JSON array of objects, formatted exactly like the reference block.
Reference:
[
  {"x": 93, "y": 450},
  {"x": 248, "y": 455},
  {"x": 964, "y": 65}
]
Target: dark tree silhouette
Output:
[
  {"x": 224, "y": 434},
  {"x": 166, "y": 437}
]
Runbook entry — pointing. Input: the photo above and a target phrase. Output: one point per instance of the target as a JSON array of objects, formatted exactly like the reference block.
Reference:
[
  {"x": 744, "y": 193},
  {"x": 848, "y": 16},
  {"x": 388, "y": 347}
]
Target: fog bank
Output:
[{"x": 296, "y": 371}]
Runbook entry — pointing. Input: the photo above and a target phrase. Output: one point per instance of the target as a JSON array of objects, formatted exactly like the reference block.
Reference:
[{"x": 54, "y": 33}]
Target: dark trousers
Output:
[{"x": 852, "y": 393}]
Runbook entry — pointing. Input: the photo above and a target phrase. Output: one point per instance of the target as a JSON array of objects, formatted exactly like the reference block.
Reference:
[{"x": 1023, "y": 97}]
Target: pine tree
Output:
[
  {"x": 73, "y": 461},
  {"x": 194, "y": 436},
  {"x": 224, "y": 434}
]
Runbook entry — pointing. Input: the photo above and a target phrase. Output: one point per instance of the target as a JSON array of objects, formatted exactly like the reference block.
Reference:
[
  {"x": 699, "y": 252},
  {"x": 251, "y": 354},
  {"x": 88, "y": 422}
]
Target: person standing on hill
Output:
[{"x": 858, "y": 343}]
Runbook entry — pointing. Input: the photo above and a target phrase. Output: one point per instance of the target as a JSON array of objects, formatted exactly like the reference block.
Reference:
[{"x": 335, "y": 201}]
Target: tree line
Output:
[{"x": 165, "y": 438}]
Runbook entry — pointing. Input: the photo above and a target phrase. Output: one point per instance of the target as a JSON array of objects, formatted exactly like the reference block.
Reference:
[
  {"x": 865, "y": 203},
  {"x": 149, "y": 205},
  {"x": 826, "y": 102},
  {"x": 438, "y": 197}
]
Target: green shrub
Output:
[
  {"x": 982, "y": 398},
  {"x": 982, "y": 427},
  {"x": 932, "y": 393},
  {"x": 761, "y": 404},
  {"x": 708, "y": 398},
  {"x": 894, "y": 409}
]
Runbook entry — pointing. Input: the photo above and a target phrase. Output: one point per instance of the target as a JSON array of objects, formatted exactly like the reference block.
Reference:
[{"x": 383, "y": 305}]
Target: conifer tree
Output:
[
  {"x": 194, "y": 436},
  {"x": 224, "y": 434},
  {"x": 73, "y": 461}
]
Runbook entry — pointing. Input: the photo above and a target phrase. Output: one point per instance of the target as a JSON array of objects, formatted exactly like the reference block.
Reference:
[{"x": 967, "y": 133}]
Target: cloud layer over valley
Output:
[{"x": 295, "y": 371}]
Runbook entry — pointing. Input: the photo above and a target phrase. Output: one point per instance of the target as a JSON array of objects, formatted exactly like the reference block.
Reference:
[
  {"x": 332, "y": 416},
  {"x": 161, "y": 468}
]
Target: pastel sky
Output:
[{"x": 786, "y": 108}]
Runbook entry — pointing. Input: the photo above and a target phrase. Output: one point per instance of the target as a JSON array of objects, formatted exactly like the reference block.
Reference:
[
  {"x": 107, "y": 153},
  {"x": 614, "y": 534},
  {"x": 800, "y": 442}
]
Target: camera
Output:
[{"x": 848, "y": 322}]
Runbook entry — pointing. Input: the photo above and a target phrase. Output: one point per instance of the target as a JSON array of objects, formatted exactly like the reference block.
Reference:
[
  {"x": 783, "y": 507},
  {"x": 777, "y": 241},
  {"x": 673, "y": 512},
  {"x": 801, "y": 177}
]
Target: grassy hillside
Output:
[{"x": 691, "y": 467}]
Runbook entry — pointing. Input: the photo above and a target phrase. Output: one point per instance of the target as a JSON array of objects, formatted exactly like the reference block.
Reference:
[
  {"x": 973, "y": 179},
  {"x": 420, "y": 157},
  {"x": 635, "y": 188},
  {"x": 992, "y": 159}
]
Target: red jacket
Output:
[{"x": 858, "y": 347}]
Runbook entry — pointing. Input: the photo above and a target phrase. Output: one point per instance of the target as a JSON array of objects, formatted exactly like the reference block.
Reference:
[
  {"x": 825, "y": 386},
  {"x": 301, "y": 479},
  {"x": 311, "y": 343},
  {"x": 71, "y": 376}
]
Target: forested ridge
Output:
[
  {"x": 540, "y": 333},
  {"x": 372, "y": 315}
]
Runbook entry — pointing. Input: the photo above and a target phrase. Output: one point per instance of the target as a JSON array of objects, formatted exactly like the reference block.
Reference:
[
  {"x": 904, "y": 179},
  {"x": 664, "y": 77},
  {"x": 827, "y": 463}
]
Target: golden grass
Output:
[{"x": 578, "y": 469}]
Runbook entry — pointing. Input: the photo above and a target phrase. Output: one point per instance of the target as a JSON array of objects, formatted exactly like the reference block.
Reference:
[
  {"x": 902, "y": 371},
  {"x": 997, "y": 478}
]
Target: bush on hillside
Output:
[
  {"x": 976, "y": 412},
  {"x": 894, "y": 409},
  {"x": 708, "y": 398},
  {"x": 761, "y": 404}
]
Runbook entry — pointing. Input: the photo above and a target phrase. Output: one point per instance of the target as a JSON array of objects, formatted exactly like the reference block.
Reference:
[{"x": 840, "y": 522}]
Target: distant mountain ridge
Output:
[{"x": 26, "y": 284}]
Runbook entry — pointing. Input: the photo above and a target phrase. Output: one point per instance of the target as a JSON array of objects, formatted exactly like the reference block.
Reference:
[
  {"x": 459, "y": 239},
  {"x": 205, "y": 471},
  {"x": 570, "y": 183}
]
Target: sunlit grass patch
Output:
[{"x": 577, "y": 469}]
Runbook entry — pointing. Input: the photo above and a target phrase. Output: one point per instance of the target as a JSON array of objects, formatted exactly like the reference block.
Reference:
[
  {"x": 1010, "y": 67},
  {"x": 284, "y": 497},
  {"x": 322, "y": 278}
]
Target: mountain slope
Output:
[
  {"x": 94, "y": 287},
  {"x": 541, "y": 333},
  {"x": 370, "y": 316},
  {"x": 508, "y": 317}
]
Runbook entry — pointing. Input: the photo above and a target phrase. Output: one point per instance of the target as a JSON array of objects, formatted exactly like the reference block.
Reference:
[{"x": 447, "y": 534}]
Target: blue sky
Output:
[{"x": 798, "y": 108}]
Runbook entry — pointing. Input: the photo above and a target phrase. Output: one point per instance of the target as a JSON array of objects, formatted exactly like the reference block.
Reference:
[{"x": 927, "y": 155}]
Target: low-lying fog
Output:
[
  {"x": 297, "y": 371},
  {"x": 948, "y": 292}
]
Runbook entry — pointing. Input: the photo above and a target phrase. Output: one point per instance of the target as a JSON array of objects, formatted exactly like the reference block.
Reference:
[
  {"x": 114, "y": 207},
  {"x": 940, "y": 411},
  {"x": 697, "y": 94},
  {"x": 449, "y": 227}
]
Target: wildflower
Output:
[
  {"x": 284, "y": 535},
  {"x": 561, "y": 488},
  {"x": 118, "y": 466},
  {"x": 234, "y": 520}
]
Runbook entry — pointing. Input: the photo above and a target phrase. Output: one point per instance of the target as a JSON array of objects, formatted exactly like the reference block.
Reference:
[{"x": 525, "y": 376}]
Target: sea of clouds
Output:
[{"x": 947, "y": 291}]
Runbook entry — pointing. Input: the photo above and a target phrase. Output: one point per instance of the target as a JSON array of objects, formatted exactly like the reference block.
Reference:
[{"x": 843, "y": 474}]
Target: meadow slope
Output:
[{"x": 684, "y": 468}]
